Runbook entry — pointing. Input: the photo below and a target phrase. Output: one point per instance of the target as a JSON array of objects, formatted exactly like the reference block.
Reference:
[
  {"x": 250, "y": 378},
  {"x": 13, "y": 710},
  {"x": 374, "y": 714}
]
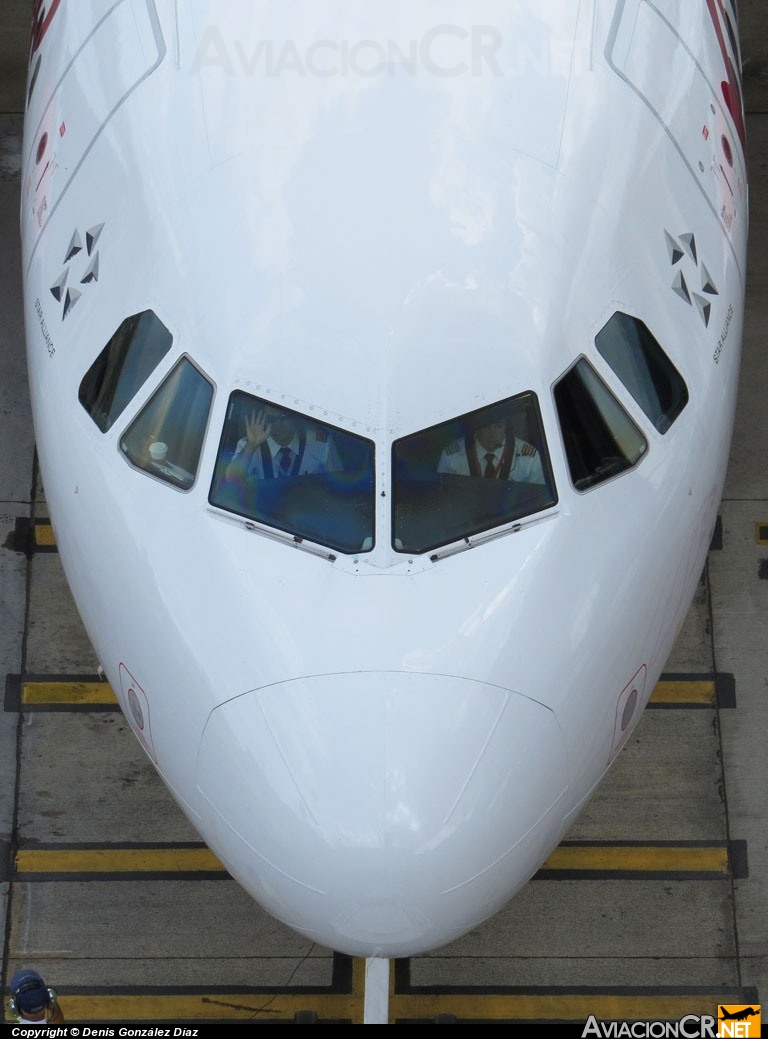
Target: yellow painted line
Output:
[
  {"x": 265, "y": 1007},
  {"x": 587, "y": 857},
  {"x": 44, "y": 536},
  {"x": 237, "y": 1006},
  {"x": 558, "y": 1007},
  {"x": 645, "y": 859},
  {"x": 36, "y": 693},
  {"x": 684, "y": 692},
  {"x": 117, "y": 860}
]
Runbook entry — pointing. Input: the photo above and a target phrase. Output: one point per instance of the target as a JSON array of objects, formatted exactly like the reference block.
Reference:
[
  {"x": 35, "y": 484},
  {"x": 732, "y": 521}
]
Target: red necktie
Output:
[
  {"x": 490, "y": 468},
  {"x": 284, "y": 458}
]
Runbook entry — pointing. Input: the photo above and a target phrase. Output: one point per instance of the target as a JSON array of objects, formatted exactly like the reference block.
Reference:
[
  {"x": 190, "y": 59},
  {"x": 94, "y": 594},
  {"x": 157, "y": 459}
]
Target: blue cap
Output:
[{"x": 30, "y": 992}]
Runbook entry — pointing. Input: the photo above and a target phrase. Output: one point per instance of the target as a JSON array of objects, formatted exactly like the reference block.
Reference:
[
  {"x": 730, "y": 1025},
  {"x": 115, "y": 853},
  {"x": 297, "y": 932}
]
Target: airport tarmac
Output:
[{"x": 655, "y": 907}]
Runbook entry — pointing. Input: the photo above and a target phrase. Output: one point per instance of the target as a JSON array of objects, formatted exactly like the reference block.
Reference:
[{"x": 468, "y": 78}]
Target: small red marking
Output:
[
  {"x": 62, "y": 129},
  {"x": 41, "y": 147},
  {"x": 726, "y": 146},
  {"x": 705, "y": 132}
]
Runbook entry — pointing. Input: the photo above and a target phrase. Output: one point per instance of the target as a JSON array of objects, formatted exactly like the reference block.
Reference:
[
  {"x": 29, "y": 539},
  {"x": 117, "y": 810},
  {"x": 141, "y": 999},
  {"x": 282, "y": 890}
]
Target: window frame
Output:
[
  {"x": 663, "y": 421},
  {"x": 136, "y": 417},
  {"x": 109, "y": 427},
  {"x": 255, "y": 521},
  {"x": 528, "y": 399},
  {"x": 609, "y": 478}
]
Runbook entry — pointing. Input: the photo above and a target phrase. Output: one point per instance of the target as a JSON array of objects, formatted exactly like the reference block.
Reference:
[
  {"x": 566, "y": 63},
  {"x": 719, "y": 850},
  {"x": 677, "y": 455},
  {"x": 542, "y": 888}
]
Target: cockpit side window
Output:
[
  {"x": 631, "y": 350},
  {"x": 123, "y": 366},
  {"x": 600, "y": 438},
  {"x": 166, "y": 437},
  {"x": 301, "y": 476},
  {"x": 475, "y": 472}
]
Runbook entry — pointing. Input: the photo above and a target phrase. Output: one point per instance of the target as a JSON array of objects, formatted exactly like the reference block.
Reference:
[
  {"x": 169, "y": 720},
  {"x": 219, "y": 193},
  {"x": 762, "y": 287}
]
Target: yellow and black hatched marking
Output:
[
  {"x": 694, "y": 691},
  {"x": 31, "y": 536},
  {"x": 59, "y": 693},
  {"x": 93, "y": 693},
  {"x": 342, "y": 1001},
  {"x": 417, "y": 1005},
  {"x": 572, "y": 860}
]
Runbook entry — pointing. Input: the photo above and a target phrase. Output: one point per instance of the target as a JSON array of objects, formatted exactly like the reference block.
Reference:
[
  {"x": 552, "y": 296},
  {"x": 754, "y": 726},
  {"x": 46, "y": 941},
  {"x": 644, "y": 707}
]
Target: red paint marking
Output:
[
  {"x": 41, "y": 22},
  {"x": 62, "y": 129},
  {"x": 731, "y": 87},
  {"x": 41, "y": 148},
  {"x": 726, "y": 146},
  {"x": 705, "y": 132}
]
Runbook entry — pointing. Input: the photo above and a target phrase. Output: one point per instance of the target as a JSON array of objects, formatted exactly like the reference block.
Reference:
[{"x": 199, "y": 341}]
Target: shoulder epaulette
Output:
[
  {"x": 453, "y": 448},
  {"x": 528, "y": 449},
  {"x": 321, "y": 436}
]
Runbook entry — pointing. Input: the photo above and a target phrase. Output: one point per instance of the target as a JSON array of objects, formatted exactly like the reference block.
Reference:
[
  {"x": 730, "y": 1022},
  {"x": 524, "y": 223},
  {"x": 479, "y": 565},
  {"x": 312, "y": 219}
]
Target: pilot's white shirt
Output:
[
  {"x": 526, "y": 464},
  {"x": 319, "y": 456}
]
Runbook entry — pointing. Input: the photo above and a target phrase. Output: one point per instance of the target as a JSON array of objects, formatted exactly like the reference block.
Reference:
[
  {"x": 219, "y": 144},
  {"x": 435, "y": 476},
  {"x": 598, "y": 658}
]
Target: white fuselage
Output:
[{"x": 382, "y": 747}]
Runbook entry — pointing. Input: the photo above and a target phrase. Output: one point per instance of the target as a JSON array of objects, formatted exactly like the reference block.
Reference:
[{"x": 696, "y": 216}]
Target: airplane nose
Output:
[{"x": 381, "y": 814}]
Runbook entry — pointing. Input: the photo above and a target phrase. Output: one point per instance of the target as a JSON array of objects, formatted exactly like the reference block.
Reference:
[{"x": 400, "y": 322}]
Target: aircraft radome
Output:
[{"x": 383, "y": 359}]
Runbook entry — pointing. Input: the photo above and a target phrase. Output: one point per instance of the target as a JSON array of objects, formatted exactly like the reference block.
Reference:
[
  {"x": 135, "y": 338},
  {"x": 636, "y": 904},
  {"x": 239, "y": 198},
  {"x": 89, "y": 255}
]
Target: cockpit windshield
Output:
[
  {"x": 306, "y": 478},
  {"x": 467, "y": 475}
]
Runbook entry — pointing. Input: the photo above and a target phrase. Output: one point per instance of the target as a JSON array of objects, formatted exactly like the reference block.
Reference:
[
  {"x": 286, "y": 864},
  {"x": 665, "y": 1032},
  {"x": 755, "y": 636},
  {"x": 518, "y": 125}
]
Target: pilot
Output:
[
  {"x": 276, "y": 445},
  {"x": 490, "y": 450}
]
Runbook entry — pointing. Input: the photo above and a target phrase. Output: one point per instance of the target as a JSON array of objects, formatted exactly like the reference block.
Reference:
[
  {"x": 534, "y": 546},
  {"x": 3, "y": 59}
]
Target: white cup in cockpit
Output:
[{"x": 158, "y": 451}]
